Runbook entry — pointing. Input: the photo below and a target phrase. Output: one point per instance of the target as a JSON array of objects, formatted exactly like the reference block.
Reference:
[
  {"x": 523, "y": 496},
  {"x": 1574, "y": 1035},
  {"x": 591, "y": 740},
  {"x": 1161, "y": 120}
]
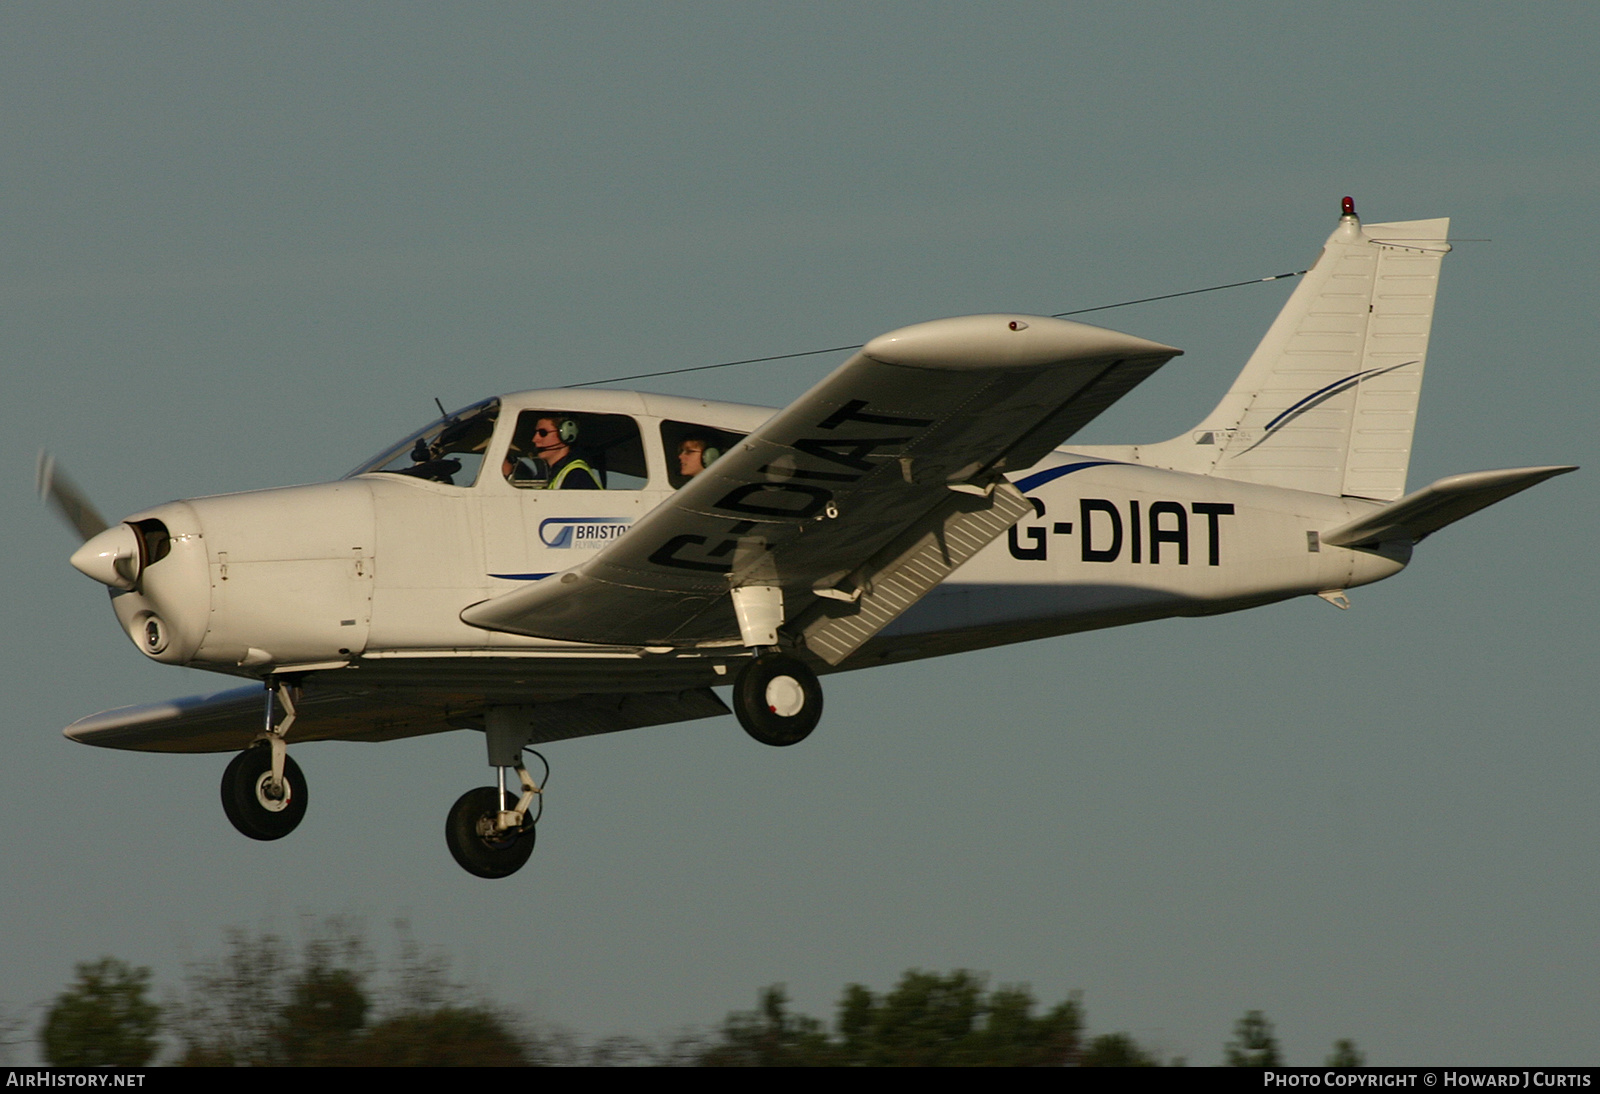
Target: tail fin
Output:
[{"x": 1328, "y": 401}]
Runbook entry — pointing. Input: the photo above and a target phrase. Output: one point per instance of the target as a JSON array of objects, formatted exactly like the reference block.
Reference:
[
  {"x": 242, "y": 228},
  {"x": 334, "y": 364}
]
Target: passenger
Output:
[
  {"x": 692, "y": 456},
  {"x": 567, "y": 470}
]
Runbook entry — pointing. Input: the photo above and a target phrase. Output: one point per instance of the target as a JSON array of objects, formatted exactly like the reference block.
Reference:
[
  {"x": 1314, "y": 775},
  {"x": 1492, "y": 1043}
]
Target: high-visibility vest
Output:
[{"x": 561, "y": 476}]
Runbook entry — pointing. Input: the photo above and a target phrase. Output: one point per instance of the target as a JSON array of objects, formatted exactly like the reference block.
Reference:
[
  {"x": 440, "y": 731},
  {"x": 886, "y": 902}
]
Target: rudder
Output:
[{"x": 1328, "y": 401}]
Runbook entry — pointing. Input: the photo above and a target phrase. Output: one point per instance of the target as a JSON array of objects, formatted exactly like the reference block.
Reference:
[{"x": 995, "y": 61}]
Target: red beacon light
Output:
[{"x": 1348, "y": 207}]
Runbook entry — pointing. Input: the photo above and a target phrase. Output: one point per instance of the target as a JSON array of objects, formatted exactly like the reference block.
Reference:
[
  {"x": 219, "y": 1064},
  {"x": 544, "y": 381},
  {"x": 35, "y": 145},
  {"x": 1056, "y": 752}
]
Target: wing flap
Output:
[
  {"x": 826, "y": 484},
  {"x": 908, "y": 569}
]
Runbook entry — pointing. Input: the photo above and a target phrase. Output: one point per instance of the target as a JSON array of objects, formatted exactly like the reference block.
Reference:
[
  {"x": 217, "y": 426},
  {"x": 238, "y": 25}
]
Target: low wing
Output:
[
  {"x": 893, "y": 464},
  {"x": 1437, "y": 505},
  {"x": 229, "y": 720}
]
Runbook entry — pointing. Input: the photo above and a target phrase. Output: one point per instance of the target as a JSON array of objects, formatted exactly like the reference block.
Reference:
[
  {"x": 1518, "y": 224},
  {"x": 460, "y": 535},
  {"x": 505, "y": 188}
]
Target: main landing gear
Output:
[
  {"x": 490, "y": 830},
  {"x": 488, "y": 834},
  {"x": 776, "y": 696},
  {"x": 777, "y": 699},
  {"x": 263, "y": 790}
]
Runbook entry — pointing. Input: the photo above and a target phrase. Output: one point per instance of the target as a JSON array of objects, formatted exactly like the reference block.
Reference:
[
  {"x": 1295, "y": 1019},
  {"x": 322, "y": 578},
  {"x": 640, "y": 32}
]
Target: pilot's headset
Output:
[{"x": 566, "y": 430}]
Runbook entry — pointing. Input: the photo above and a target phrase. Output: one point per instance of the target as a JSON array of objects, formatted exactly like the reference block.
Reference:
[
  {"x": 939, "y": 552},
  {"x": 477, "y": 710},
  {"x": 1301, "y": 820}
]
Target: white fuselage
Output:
[{"x": 381, "y": 565}]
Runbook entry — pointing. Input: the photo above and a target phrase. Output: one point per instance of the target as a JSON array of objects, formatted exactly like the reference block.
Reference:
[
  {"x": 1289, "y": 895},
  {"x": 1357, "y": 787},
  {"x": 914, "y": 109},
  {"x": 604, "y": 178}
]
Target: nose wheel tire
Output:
[
  {"x": 777, "y": 700},
  {"x": 476, "y": 846},
  {"x": 248, "y": 798}
]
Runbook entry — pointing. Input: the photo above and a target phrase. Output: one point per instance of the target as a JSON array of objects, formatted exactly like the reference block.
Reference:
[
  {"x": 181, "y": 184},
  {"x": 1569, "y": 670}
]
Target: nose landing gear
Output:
[{"x": 263, "y": 791}]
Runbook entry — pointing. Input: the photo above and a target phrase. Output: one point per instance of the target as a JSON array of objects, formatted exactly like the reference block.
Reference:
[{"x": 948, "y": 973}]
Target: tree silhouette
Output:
[
  {"x": 770, "y": 1036},
  {"x": 1116, "y": 1050},
  {"x": 927, "y": 1020},
  {"x": 264, "y": 1004},
  {"x": 1253, "y": 1044},
  {"x": 1346, "y": 1054},
  {"x": 103, "y": 1020}
]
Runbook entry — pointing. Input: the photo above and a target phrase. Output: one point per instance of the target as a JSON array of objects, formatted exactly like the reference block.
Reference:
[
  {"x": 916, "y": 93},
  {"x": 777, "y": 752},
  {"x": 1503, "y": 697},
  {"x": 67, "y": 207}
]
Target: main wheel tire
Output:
[
  {"x": 777, "y": 700},
  {"x": 246, "y": 802},
  {"x": 485, "y": 855}
]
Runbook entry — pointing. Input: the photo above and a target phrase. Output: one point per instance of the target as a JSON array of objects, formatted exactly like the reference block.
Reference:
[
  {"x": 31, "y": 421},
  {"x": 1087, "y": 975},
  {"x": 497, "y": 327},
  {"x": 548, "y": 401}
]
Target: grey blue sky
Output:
[{"x": 247, "y": 245}]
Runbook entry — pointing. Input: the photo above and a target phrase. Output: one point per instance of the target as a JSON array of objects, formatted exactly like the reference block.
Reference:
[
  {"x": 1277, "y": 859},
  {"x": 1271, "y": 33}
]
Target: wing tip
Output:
[{"x": 1005, "y": 340}]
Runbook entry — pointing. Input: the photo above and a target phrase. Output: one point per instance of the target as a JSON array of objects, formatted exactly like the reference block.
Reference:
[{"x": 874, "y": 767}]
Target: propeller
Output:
[
  {"x": 67, "y": 499},
  {"x": 113, "y": 555}
]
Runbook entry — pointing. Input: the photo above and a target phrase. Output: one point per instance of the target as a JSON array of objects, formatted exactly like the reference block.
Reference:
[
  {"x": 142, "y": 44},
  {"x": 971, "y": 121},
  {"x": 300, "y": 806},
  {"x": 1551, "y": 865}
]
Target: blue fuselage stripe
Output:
[{"x": 1039, "y": 478}]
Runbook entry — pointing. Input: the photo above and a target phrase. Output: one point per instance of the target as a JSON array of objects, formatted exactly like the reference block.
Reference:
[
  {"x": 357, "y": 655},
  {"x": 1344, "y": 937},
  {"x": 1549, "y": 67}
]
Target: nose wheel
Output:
[
  {"x": 778, "y": 700},
  {"x": 256, "y": 804}
]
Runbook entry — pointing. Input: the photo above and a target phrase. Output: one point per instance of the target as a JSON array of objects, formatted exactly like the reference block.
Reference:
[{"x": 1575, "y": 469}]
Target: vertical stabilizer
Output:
[{"x": 1328, "y": 401}]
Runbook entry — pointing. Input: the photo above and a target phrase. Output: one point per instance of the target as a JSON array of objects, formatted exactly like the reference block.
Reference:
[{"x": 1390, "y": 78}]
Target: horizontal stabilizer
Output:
[{"x": 1431, "y": 508}]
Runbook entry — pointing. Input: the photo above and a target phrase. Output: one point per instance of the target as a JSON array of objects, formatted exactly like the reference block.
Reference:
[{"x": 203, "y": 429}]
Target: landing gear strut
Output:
[
  {"x": 777, "y": 699},
  {"x": 490, "y": 830},
  {"x": 263, "y": 791}
]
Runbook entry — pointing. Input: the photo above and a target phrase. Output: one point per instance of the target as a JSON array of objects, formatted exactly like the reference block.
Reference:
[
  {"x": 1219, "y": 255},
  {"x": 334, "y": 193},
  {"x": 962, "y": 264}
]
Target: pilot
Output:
[
  {"x": 552, "y": 443},
  {"x": 692, "y": 456}
]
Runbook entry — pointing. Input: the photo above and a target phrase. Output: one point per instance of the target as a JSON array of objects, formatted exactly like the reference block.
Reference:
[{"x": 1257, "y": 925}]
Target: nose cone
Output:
[
  {"x": 162, "y": 589},
  {"x": 111, "y": 558}
]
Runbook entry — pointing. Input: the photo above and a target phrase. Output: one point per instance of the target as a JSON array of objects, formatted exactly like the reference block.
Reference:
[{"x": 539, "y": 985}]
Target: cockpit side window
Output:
[
  {"x": 569, "y": 450},
  {"x": 692, "y": 448},
  {"x": 448, "y": 451}
]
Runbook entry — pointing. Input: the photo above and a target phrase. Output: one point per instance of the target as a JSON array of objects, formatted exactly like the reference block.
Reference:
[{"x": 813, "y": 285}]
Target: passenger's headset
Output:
[{"x": 708, "y": 455}]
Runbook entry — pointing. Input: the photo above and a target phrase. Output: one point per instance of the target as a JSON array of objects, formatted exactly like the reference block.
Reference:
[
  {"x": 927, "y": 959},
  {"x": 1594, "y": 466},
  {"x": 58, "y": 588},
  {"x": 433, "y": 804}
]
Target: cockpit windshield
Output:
[{"x": 450, "y": 450}]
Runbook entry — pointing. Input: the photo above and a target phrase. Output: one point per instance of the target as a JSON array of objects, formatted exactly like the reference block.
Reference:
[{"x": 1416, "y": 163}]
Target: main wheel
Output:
[
  {"x": 476, "y": 846},
  {"x": 777, "y": 700},
  {"x": 247, "y": 797}
]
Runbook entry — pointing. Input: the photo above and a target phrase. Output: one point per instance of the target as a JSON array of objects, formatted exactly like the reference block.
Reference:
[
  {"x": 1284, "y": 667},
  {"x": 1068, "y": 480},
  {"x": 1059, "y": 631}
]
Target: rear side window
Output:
[{"x": 691, "y": 448}]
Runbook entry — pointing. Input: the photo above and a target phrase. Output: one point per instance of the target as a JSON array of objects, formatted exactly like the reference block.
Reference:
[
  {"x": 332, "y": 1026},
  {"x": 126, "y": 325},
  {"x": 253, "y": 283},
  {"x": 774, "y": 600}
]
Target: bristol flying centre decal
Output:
[{"x": 565, "y": 532}]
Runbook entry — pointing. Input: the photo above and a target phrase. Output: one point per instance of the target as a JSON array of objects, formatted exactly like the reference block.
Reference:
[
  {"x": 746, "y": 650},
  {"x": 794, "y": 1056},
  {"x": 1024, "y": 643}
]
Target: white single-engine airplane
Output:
[{"x": 553, "y": 564}]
